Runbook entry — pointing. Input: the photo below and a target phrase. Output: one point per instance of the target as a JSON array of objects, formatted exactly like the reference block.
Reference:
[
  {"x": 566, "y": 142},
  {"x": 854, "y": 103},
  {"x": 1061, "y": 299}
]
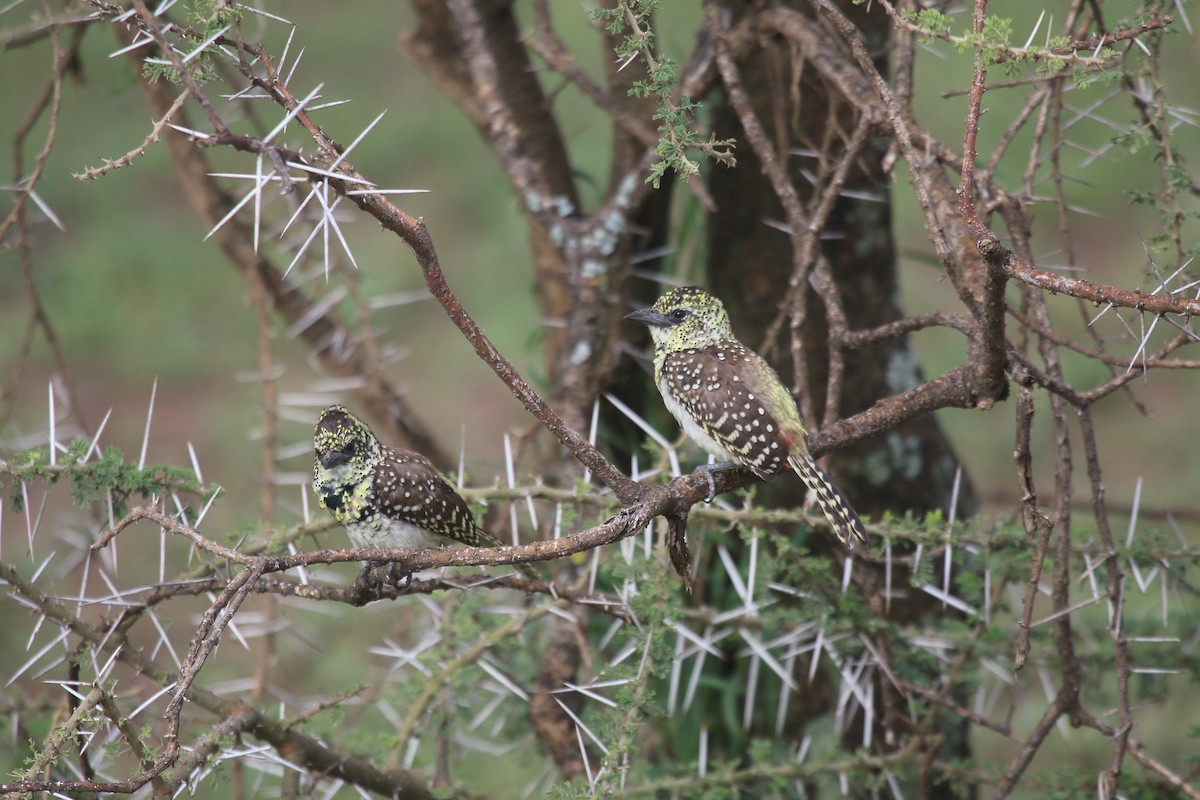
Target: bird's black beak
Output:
[
  {"x": 648, "y": 316},
  {"x": 333, "y": 458}
]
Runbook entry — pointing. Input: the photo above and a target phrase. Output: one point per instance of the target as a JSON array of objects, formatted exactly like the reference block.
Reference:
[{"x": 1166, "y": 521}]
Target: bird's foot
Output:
[
  {"x": 401, "y": 580},
  {"x": 363, "y": 585},
  {"x": 367, "y": 589},
  {"x": 708, "y": 470}
]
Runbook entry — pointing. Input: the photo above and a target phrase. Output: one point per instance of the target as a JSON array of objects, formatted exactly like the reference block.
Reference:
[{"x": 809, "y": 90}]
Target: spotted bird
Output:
[
  {"x": 731, "y": 402},
  {"x": 385, "y": 496}
]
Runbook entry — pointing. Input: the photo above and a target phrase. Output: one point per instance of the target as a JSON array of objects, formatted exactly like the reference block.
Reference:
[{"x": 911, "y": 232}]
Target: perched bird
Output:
[
  {"x": 387, "y": 497},
  {"x": 731, "y": 402}
]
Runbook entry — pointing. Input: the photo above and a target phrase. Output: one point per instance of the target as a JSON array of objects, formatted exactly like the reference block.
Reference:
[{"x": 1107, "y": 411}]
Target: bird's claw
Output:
[
  {"x": 363, "y": 584},
  {"x": 708, "y": 470},
  {"x": 396, "y": 578}
]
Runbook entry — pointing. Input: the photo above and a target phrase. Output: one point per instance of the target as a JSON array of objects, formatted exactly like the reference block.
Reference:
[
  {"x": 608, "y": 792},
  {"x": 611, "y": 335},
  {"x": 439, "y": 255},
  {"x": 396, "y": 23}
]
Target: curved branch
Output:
[
  {"x": 1097, "y": 293},
  {"x": 300, "y": 748},
  {"x": 625, "y": 488},
  {"x": 211, "y": 204}
]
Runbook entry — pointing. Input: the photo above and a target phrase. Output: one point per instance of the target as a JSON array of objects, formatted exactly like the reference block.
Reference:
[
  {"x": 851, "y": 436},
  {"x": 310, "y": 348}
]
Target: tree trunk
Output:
[{"x": 751, "y": 263}]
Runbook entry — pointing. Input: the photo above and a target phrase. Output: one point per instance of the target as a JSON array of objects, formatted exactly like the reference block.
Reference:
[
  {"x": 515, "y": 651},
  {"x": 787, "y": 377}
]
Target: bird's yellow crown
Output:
[{"x": 686, "y": 318}]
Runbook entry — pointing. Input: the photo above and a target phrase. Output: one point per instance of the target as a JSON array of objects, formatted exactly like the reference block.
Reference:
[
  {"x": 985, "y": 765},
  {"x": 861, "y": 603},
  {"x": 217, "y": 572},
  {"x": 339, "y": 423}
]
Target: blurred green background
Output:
[{"x": 136, "y": 295}]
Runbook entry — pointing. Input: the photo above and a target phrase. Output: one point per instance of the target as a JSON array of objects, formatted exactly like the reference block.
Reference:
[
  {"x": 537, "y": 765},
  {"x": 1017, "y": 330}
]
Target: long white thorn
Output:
[
  {"x": 53, "y": 426},
  {"x": 146, "y": 432}
]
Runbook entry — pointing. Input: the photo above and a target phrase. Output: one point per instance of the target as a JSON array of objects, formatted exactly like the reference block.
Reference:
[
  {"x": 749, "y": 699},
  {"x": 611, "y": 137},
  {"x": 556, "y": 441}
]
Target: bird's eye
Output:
[{"x": 679, "y": 314}]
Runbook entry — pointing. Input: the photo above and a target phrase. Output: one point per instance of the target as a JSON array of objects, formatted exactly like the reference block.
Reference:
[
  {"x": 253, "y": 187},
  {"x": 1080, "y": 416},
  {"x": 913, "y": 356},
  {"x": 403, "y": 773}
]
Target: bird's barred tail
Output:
[{"x": 841, "y": 515}]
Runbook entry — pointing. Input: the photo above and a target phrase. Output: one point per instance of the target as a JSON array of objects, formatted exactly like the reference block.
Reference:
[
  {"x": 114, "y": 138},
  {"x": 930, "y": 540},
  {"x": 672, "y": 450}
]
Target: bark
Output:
[{"x": 752, "y": 263}]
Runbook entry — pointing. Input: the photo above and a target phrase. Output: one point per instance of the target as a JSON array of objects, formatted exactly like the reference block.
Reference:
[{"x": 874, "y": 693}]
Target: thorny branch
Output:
[
  {"x": 302, "y": 749},
  {"x": 1010, "y": 335}
]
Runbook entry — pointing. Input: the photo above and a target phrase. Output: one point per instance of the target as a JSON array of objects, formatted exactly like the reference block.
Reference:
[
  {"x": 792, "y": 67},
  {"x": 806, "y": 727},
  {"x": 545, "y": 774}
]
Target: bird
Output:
[
  {"x": 730, "y": 401},
  {"x": 386, "y": 496}
]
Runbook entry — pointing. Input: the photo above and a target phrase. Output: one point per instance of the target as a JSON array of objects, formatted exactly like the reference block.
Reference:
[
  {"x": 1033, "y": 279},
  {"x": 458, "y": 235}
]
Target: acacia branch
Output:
[
  {"x": 93, "y": 173},
  {"x": 1115, "y": 589},
  {"x": 1067, "y": 52},
  {"x": 324, "y": 327},
  {"x": 414, "y": 233},
  {"x": 1097, "y": 293},
  {"x": 417, "y": 237},
  {"x": 299, "y": 748},
  {"x": 1037, "y": 526}
]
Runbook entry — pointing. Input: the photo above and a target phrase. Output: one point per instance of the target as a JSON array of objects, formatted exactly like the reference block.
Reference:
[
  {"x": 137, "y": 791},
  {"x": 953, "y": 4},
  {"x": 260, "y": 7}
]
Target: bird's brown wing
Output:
[
  {"x": 716, "y": 387},
  {"x": 409, "y": 488}
]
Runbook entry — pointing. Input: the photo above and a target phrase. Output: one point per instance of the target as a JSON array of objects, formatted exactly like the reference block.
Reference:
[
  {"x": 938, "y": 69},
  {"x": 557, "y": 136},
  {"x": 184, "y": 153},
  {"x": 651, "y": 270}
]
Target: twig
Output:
[
  {"x": 1037, "y": 525},
  {"x": 323, "y": 328},
  {"x": 1097, "y": 293},
  {"x": 1115, "y": 589},
  {"x": 448, "y": 670},
  {"x": 417, "y": 237},
  {"x": 304, "y": 750},
  {"x": 92, "y": 173}
]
